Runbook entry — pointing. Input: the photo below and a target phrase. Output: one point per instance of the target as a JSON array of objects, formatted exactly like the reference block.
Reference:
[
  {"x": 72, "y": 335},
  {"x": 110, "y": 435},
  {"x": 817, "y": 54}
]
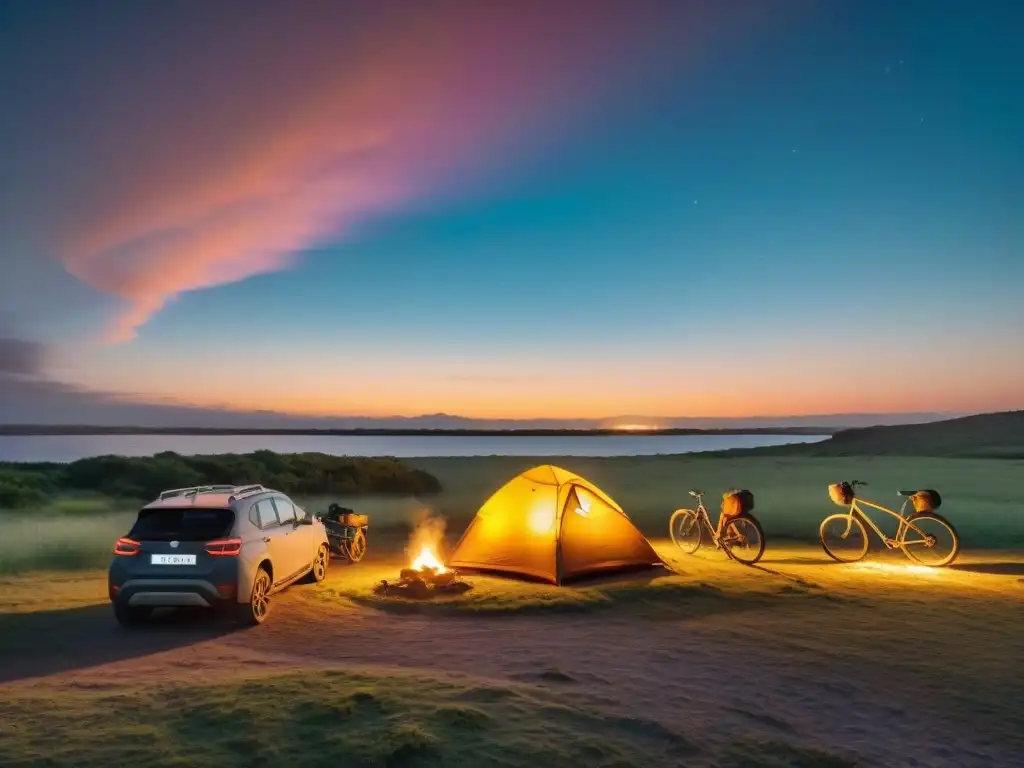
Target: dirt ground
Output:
[{"x": 878, "y": 663}]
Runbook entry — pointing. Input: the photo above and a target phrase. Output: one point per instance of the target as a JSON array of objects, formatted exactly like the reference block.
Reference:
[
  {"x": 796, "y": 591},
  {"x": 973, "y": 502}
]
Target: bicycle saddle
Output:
[
  {"x": 696, "y": 494},
  {"x": 906, "y": 493}
]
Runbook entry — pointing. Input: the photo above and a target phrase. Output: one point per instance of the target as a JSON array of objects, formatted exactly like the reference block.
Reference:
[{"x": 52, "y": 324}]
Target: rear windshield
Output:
[{"x": 182, "y": 524}]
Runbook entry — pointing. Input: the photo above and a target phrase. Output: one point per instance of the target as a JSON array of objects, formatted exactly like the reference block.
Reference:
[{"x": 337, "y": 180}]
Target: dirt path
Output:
[{"x": 869, "y": 662}]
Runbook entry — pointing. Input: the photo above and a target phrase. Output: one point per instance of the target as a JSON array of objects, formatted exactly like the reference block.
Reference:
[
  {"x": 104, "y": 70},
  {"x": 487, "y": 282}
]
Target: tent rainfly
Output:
[{"x": 551, "y": 524}]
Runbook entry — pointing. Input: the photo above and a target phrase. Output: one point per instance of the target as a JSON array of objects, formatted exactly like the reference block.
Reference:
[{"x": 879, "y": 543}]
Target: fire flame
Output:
[{"x": 427, "y": 559}]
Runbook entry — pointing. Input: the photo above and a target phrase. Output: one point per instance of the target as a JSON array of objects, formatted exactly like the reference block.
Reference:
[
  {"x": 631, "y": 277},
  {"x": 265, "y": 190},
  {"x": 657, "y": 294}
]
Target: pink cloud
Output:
[{"x": 243, "y": 156}]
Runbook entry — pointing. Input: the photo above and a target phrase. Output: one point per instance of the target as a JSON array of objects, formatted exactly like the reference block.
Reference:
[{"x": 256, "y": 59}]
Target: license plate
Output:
[{"x": 173, "y": 560}]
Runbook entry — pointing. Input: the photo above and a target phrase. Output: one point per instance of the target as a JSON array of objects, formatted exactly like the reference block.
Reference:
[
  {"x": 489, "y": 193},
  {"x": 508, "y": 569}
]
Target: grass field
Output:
[
  {"x": 327, "y": 718},
  {"x": 333, "y": 717},
  {"x": 982, "y": 497},
  {"x": 797, "y": 664}
]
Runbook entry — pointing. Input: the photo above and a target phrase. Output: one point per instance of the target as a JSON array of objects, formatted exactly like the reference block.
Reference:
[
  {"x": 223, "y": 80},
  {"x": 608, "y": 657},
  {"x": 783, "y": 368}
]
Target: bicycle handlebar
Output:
[{"x": 855, "y": 483}]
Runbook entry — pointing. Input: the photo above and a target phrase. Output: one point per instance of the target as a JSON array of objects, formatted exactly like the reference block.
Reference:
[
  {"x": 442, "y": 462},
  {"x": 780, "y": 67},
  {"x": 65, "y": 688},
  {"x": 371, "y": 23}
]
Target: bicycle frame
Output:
[
  {"x": 905, "y": 524},
  {"x": 702, "y": 514}
]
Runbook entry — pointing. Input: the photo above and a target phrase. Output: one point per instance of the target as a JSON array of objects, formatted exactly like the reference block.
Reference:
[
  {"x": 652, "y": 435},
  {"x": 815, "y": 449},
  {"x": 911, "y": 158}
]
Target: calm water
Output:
[{"x": 69, "y": 448}]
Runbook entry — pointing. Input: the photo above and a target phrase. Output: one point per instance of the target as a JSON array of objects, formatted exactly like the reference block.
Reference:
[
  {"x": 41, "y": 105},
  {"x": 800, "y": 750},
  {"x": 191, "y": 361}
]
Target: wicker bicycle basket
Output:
[
  {"x": 841, "y": 494},
  {"x": 737, "y": 502},
  {"x": 926, "y": 500}
]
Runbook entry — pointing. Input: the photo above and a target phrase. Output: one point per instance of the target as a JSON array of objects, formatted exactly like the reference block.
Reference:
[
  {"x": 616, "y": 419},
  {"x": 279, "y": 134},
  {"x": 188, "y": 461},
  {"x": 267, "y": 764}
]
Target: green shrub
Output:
[
  {"x": 144, "y": 477},
  {"x": 20, "y": 489},
  {"x": 14, "y": 496}
]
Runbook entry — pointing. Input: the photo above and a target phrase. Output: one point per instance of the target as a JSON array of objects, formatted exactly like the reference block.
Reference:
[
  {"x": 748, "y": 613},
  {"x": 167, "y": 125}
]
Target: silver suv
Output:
[{"x": 215, "y": 546}]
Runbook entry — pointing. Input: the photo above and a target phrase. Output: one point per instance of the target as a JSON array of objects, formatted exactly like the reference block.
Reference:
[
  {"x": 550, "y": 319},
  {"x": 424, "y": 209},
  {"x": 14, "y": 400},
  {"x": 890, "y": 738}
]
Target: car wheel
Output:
[
  {"x": 130, "y": 616},
  {"x": 255, "y": 611},
  {"x": 319, "y": 570}
]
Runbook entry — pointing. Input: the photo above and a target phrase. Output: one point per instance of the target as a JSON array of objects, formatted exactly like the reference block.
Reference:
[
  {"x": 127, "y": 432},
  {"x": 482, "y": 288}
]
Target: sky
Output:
[{"x": 533, "y": 210}]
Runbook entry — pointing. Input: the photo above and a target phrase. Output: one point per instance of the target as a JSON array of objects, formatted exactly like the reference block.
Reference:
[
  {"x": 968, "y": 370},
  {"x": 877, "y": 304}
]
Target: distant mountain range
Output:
[{"x": 28, "y": 399}]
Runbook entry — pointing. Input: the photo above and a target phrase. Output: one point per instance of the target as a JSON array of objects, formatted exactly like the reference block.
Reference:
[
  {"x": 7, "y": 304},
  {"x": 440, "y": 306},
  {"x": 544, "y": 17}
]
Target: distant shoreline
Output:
[{"x": 35, "y": 430}]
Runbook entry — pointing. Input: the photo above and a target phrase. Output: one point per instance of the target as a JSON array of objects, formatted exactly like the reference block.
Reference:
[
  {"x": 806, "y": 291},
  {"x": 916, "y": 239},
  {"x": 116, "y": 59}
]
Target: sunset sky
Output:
[{"x": 517, "y": 210}]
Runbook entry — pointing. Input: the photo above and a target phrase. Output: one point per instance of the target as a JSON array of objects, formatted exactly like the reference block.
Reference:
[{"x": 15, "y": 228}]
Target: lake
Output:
[{"x": 72, "y": 447}]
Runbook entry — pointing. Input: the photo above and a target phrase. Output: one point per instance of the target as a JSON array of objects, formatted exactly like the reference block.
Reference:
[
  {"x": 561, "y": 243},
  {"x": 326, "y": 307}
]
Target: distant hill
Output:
[{"x": 987, "y": 436}]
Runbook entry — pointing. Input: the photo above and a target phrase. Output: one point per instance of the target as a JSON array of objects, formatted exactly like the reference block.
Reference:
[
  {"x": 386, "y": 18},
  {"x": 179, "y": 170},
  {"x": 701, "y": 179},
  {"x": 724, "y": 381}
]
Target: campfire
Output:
[
  {"x": 427, "y": 575},
  {"x": 427, "y": 560}
]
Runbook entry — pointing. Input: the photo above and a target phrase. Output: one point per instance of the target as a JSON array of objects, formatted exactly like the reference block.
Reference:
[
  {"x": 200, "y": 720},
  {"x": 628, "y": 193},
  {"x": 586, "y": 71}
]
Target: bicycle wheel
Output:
[
  {"x": 743, "y": 539},
  {"x": 843, "y": 538},
  {"x": 357, "y": 547},
  {"x": 685, "y": 529},
  {"x": 935, "y": 542}
]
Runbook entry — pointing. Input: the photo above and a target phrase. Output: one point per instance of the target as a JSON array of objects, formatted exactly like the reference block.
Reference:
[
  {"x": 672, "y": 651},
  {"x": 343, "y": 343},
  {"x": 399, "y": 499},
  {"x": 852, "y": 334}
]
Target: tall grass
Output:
[
  {"x": 79, "y": 533},
  {"x": 54, "y": 541}
]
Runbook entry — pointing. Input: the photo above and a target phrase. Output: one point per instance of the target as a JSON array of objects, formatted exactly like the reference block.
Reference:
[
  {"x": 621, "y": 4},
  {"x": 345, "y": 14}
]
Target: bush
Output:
[
  {"x": 144, "y": 477},
  {"x": 23, "y": 489},
  {"x": 14, "y": 496}
]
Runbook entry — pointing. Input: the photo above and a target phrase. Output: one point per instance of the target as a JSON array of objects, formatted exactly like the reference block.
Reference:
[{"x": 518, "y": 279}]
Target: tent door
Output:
[{"x": 572, "y": 501}]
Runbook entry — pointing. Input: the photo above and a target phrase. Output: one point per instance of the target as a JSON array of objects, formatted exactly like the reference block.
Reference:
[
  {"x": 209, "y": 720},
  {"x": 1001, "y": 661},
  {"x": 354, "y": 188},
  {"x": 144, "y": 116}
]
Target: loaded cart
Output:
[{"x": 346, "y": 532}]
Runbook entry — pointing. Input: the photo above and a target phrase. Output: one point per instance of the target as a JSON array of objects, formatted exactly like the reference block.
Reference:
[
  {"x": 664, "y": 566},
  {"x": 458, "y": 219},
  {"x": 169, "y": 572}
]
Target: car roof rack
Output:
[
  {"x": 194, "y": 489},
  {"x": 246, "y": 490},
  {"x": 236, "y": 491}
]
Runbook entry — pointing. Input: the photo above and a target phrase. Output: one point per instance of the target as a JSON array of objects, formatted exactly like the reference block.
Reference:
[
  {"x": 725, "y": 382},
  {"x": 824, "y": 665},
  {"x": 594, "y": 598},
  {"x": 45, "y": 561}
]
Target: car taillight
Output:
[
  {"x": 227, "y": 547},
  {"x": 126, "y": 547}
]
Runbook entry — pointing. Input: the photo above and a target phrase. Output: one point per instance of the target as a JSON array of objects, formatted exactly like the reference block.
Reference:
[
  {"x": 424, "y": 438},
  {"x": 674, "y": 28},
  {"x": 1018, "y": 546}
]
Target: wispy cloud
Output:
[{"x": 224, "y": 160}]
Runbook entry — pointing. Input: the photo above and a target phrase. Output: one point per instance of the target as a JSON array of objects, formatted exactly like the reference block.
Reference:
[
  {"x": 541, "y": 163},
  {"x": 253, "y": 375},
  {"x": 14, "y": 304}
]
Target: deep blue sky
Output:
[{"x": 816, "y": 209}]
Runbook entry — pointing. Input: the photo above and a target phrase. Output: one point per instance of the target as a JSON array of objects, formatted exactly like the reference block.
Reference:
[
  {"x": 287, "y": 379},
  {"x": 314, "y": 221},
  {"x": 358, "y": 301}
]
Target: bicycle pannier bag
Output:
[
  {"x": 338, "y": 513},
  {"x": 926, "y": 500},
  {"x": 353, "y": 520},
  {"x": 737, "y": 502},
  {"x": 841, "y": 494}
]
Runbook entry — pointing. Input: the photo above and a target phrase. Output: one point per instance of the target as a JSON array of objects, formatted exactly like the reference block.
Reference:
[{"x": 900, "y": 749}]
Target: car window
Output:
[
  {"x": 182, "y": 524},
  {"x": 285, "y": 510},
  {"x": 265, "y": 515},
  {"x": 300, "y": 513}
]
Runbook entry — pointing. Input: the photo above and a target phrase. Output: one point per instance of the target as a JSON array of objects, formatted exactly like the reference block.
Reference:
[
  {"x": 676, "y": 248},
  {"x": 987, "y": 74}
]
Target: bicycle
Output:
[
  {"x": 346, "y": 532},
  {"x": 742, "y": 538},
  {"x": 919, "y": 533}
]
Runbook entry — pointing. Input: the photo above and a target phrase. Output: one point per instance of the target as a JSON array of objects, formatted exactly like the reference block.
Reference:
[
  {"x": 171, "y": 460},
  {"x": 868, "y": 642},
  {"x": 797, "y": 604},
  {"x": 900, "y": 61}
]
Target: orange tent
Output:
[{"x": 551, "y": 524}]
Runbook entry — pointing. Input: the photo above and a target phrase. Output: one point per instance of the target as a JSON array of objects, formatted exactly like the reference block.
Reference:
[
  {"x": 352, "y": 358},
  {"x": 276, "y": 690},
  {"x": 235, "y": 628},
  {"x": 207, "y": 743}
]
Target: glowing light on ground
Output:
[{"x": 894, "y": 568}]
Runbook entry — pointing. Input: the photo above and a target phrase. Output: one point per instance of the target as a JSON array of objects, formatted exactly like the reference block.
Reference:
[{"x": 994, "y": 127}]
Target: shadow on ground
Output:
[
  {"x": 798, "y": 580},
  {"x": 823, "y": 560},
  {"x": 998, "y": 568},
  {"x": 49, "y": 642}
]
